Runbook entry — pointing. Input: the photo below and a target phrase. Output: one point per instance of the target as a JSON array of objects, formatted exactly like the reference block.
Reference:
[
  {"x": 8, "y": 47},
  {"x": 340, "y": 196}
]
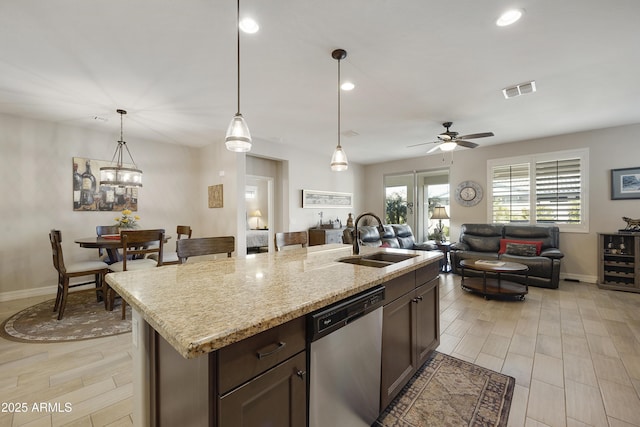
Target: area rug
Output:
[
  {"x": 84, "y": 318},
  {"x": 451, "y": 392}
]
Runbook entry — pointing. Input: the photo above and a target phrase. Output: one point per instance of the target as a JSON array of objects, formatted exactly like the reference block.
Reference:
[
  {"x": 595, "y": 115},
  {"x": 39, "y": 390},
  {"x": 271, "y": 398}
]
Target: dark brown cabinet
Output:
[
  {"x": 322, "y": 236},
  {"x": 410, "y": 329},
  {"x": 258, "y": 381},
  {"x": 276, "y": 398},
  {"x": 619, "y": 261}
]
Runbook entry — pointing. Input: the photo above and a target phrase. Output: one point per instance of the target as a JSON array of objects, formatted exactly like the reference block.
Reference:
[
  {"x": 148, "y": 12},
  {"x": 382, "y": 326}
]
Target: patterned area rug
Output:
[
  {"x": 84, "y": 318},
  {"x": 451, "y": 392}
]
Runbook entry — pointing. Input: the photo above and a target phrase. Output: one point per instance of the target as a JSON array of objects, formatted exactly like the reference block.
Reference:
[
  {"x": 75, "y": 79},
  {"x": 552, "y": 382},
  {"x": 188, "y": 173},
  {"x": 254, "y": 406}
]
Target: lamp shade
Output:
[
  {"x": 257, "y": 213},
  {"x": 238, "y": 136},
  {"x": 439, "y": 212},
  {"x": 339, "y": 161}
]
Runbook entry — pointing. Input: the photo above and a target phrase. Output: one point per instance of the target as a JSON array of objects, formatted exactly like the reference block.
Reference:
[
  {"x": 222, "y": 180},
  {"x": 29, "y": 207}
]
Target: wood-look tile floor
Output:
[{"x": 574, "y": 352}]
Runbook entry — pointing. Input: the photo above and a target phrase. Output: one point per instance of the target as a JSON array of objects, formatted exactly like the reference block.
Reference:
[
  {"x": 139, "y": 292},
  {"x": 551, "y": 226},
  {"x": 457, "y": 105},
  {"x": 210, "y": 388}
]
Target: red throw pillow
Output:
[{"x": 503, "y": 244}]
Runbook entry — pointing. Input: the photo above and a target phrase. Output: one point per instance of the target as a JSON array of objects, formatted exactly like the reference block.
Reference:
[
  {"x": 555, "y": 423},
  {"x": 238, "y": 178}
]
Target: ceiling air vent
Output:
[{"x": 521, "y": 89}]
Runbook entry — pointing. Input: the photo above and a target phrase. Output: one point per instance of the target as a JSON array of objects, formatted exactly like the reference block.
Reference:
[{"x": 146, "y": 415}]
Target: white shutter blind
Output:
[
  {"x": 558, "y": 190},
  {"x": 511, "y": 193}
]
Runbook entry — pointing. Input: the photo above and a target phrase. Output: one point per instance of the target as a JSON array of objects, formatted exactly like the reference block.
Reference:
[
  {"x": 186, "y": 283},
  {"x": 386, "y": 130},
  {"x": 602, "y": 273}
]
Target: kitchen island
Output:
[{"x": 191, "y": 323}]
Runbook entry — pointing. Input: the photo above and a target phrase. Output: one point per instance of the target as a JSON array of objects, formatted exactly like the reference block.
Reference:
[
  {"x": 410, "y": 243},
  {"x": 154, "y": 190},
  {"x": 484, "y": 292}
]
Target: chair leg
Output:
[
  {"x": 124, "y": 308},
  {"x": 63, "y": 299},
  {"x": 58, "y": 295}
]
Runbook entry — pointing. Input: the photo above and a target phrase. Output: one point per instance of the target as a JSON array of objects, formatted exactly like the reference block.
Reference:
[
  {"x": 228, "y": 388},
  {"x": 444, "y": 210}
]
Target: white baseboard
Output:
[
  {"x": 579, "y": 277},
  {"x": 27, "y": 293}
]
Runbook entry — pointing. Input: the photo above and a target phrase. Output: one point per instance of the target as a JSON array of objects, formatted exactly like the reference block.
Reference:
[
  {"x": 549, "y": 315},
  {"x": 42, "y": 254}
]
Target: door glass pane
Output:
[{"x": 396, "y": 204}]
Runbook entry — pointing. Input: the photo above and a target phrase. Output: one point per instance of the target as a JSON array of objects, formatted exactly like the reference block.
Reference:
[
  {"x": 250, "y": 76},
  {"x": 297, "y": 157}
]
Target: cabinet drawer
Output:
[
  {"x": 399, "y": 286},
  {"x": 275, "y": 398},
  {"x": 427, "y": 273},
  {"x": 250, "y": 357}
]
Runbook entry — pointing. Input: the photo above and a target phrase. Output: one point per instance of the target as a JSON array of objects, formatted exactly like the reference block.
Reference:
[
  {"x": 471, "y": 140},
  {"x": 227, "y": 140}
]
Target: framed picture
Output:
[
  {"x": 90, "y": 196},
  {"x": 215, "y": 196},
  {"x": 625, "y": 183},
  {"x": 326, "y": 199}
]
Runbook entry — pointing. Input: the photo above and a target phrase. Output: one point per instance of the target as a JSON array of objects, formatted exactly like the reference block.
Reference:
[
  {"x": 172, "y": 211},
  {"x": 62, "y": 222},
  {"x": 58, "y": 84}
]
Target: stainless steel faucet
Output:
[{"x": 356, "y": 240}]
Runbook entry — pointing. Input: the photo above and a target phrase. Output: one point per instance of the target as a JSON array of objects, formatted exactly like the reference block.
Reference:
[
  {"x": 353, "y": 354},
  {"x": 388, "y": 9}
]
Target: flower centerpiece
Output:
[{"x": 127, "y": 221}]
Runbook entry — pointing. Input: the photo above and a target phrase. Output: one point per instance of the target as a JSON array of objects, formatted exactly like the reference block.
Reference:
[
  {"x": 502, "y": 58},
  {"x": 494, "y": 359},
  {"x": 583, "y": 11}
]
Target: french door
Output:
[{"x": 409, "y": 198}]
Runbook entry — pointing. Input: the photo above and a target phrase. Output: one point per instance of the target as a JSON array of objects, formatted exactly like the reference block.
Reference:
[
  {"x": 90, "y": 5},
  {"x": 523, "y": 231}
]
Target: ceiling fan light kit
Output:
[{"x": 449, "y": 140}]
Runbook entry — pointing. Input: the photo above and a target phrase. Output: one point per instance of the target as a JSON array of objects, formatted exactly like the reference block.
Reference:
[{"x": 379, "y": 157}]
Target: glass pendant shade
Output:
[
  {"x": 238, "y": 136},
  {"x": 339, "y": 160},
  {"x": 117, "y": 175},
  {"x": 448, "y": 146}
]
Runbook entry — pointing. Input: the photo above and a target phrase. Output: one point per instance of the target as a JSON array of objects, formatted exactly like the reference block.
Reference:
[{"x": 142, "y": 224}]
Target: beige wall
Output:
[
  {"x": 36, "y": 190},
  {"x": 612, "y": 148}
]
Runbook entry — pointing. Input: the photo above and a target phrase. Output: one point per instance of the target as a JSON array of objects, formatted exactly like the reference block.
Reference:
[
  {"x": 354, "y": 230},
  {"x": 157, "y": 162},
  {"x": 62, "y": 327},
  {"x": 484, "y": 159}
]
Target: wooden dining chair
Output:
[
  {"x": 106, "y": 230},
  {"x": 170, "y": 257},
  {"x": 97, "y": 269},
  {"x": 205, "y": 246},
  {"x": 136, "y": 245},
  {"x": 290, "y": 238}
]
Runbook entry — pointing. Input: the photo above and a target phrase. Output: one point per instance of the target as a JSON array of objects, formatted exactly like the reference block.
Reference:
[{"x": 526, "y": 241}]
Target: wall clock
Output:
[{"x": 469, "y": 193}]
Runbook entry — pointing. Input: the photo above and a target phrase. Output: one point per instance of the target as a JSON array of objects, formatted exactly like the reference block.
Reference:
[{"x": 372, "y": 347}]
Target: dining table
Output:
[{"x": 110, "y": 244}]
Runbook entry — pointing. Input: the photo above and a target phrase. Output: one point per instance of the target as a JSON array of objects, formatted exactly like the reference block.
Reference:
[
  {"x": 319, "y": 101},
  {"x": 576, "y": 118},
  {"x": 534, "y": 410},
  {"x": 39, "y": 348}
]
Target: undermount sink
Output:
[{"x": 378, "y": 259}]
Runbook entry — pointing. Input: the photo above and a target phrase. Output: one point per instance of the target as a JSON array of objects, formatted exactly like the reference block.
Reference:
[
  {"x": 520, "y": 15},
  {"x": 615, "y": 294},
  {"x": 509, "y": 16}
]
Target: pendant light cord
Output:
[
  {"x": 339, "y": 104},
  {"x": 238, "y": 52}
]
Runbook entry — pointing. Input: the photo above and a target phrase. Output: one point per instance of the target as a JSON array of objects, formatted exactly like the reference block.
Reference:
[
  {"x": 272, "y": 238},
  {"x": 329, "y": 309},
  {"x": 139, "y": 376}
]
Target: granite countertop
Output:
[{"x": 201, "y": 306}]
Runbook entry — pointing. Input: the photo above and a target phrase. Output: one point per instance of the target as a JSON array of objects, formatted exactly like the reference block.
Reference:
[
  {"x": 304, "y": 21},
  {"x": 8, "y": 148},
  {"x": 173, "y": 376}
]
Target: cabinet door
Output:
[
  {"x": 427, "y": 319},
  {"x": 276, "y": 398},
  {"x": 398, "y": 347}
]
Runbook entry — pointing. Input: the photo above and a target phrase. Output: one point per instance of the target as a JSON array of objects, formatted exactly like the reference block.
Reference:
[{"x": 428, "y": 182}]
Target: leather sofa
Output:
[
  {"x": 394, "y": 236},
  {"x": 484, "y": 241}
]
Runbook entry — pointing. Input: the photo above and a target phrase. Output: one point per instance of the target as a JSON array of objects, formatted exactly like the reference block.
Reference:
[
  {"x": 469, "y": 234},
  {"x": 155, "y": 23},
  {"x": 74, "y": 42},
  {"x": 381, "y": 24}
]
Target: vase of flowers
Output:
[{"x": 127, "y": 221}]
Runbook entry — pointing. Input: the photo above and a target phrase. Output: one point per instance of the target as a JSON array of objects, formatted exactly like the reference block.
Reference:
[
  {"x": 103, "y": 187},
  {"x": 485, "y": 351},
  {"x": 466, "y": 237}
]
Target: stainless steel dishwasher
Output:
[{"x": 345, "y": 347}]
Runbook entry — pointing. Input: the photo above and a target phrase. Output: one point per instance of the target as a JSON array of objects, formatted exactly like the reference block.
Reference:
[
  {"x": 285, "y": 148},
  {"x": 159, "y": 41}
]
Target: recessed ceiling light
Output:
[
  {"x": 249, "y": 26},
  {"x": 509, "y": 17},
  {"x": 347, "y": 86}
]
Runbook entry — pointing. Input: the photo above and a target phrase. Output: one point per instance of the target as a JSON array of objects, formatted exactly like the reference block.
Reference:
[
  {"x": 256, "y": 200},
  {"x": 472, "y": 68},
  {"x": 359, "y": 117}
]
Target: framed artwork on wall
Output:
[
  {"x": 215, "y": 196},
  {"x": 89, "y": 195},
  {"x": 625, "y": 183},
  {"x": 326, "y": 199}
]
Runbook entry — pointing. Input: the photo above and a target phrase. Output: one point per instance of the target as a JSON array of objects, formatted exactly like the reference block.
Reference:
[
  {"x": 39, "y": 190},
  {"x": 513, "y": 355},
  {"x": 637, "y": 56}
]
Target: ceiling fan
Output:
[{"x": 449, "y": 140}]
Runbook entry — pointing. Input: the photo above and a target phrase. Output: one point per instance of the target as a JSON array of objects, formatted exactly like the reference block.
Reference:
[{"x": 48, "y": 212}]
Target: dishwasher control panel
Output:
[{"x": 341, "y": 313}]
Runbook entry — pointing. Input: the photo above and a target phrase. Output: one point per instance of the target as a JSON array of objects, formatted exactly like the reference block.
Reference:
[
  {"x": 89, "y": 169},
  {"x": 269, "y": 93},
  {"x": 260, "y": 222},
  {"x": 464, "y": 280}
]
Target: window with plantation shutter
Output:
[
  {"x": 511, "y": 193},
  {"x": 558, "y": 191},
  {"x": 540, "y": 189}
]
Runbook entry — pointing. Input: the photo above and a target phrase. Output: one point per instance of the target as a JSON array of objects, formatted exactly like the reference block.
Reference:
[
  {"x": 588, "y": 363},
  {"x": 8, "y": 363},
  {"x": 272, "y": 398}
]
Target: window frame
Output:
[{"x": 532, "y": 160}]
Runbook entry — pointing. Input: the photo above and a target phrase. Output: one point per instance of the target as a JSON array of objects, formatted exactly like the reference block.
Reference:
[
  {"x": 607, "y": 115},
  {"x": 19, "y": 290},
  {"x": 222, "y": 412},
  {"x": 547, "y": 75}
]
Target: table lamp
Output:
[
  {"x": 257, "y": 214},
  {"x": 439, "y": 213}
]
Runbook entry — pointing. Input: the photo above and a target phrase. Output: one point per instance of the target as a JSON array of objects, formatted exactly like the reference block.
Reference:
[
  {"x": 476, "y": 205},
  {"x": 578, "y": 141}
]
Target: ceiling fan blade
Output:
[
  {"x": 433, "y": 149},
  {"x": 467, "y": 144},
  {"x": 422, "y": 143},
  {"x": 477, "y": 135}
]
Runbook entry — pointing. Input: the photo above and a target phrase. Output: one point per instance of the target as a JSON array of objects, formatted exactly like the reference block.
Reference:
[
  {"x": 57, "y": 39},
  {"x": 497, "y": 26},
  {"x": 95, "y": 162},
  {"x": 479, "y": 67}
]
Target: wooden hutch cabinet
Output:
[{"x": 619, "y": 261}]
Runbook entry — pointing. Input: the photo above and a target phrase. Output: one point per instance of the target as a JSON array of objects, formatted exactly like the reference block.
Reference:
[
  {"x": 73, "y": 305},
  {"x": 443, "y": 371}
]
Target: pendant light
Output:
[
  {"x": 339, "y": 160},
  {"x": 117, "y": 175},
  {"x": 238, "y": 137}
]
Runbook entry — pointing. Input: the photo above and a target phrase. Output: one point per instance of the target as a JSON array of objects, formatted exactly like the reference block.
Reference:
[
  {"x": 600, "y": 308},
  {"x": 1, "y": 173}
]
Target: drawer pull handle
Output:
[
  {"x": 261, "y": 354},
  {"x": 417, "y": 299},
  {"x": 301, "y": 374}
]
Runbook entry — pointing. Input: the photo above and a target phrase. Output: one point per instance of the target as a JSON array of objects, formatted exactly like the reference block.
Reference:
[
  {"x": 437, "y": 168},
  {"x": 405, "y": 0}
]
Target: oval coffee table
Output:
[{"x": 494, "y": 286}]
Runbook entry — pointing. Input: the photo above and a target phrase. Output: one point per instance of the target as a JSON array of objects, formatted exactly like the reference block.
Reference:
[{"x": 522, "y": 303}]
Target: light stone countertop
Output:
[{"x": 199, "y": 307}]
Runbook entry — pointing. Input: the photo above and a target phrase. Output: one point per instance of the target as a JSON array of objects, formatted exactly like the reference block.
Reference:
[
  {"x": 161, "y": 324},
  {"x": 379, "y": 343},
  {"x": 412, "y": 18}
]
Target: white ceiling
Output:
[{"x": 415, "y": 63}]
